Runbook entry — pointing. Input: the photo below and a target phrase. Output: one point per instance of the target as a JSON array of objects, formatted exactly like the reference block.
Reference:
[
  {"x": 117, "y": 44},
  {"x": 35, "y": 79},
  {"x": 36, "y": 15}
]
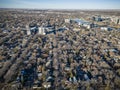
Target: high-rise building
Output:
[
  {"x": 67, "y": 20},
  {"x": 41, "y": 30},
  {"x": 28, "y": 30},
  {"x": 116, "y": 20}
]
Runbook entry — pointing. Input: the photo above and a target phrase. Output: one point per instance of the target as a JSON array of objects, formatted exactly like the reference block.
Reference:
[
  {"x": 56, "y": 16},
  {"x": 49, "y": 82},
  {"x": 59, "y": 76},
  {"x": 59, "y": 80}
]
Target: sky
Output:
[{"x": 61, "y": 4}]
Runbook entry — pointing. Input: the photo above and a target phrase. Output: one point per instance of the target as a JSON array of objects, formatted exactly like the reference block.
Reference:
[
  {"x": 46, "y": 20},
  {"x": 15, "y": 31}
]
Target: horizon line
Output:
[{"x": 58, "y": 9}]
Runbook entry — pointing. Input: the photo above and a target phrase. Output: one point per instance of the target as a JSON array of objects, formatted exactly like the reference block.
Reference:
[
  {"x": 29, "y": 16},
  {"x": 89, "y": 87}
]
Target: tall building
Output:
[
  {"x": 116, "y": 20},
  {"x": 67, "y": 20},
  {"x": 28, "y": 30},
  {"x": 41, "y": 30}
]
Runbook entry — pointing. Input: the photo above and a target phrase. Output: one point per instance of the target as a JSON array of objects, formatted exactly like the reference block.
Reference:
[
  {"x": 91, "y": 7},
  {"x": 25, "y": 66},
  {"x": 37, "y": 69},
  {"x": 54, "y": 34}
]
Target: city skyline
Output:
[{"x": 61, "y": 4}]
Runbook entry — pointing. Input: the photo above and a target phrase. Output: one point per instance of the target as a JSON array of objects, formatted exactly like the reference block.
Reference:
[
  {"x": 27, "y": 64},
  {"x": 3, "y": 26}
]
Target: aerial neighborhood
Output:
[{"x": 59, "y": 50}]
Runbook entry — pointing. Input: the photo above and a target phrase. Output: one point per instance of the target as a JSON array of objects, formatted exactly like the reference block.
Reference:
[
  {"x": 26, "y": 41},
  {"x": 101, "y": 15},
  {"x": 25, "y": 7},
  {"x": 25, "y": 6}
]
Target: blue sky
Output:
[{"x": 61, "y": 4}]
